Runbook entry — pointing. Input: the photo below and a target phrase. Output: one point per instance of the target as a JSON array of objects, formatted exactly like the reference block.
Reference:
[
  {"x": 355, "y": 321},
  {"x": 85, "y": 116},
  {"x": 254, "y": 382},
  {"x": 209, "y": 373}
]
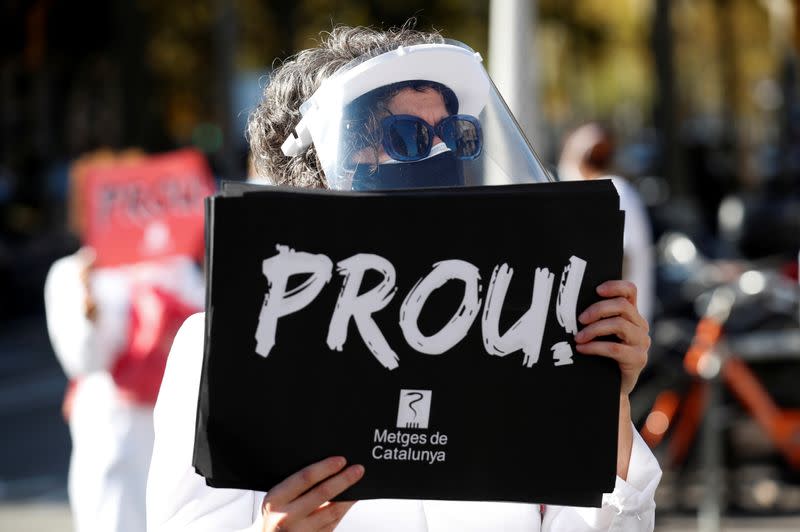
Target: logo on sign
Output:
[{"x": 414, "y": 409}]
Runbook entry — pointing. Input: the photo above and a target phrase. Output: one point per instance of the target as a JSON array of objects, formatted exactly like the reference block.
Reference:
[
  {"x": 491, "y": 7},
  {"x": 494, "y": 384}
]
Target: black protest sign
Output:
[{"x": 425, "y": 334}]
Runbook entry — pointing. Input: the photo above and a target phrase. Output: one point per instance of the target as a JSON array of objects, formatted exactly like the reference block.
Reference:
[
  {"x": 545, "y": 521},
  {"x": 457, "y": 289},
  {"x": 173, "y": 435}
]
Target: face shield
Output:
[{"x": 417, "y": 116}]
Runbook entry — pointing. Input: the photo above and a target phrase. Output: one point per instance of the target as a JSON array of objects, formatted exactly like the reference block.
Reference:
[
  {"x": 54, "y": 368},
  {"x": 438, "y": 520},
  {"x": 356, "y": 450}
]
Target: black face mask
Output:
[{"x": 442, "y": 170}]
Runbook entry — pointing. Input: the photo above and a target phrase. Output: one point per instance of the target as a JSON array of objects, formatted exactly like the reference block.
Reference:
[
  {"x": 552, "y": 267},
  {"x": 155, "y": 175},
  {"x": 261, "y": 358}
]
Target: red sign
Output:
[{"x": 147, "y": 209}]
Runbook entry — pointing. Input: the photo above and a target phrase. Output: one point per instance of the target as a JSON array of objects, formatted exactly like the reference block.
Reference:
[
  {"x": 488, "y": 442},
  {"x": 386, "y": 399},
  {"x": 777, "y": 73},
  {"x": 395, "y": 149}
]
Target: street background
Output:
[{"x": 701, "y": 95}]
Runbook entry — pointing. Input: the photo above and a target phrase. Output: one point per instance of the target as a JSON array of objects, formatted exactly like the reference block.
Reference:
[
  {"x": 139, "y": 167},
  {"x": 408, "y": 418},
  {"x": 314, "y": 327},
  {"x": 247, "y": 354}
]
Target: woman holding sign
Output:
[{"x": 388, "y": 110}]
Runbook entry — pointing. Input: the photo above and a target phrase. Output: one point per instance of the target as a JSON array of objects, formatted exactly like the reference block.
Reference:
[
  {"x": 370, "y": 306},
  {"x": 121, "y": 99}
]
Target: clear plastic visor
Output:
[{"x": 414, "y": 126}]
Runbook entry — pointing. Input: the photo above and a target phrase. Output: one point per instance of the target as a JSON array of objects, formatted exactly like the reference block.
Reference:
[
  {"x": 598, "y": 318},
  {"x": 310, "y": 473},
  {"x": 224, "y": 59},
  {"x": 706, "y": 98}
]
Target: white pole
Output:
[{"x": 513, "y": 64}]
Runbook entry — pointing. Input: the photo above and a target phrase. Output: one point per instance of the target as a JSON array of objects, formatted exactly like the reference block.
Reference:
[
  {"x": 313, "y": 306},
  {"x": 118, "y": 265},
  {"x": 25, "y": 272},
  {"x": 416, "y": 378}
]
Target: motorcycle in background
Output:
[{"x": 720, "y": 402}]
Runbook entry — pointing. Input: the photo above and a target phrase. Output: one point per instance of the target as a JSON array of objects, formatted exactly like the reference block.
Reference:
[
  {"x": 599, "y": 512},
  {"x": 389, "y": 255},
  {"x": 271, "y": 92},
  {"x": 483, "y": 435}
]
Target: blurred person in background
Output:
[
  {"x": 588, "y": 153},
  {"x": 404, "y": 117},
  {"x": 107, "y": 326}
]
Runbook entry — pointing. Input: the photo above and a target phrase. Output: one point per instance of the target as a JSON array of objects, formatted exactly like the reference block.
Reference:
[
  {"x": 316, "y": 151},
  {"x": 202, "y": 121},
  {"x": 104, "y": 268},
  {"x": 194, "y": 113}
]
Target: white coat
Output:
[
  {"x": 112, "y": 439},
  {"x": 639, "y": 267}
]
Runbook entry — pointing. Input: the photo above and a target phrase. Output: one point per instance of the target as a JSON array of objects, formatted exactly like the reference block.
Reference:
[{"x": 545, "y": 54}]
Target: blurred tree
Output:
[
  {"x": 665, "y": 107},
  {"x": 159, "y": 74},
  {"x": 595, "y": 63},
  {"x": 187, "y": 42}
]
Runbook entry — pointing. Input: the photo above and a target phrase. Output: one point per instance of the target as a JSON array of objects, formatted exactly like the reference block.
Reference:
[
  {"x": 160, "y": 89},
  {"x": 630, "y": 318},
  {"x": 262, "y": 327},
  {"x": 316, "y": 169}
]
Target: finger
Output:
[
  {"x": 304, "y": 480},
  {"x": 328, "y": 516},
  {"x": 326, "y": 491},
  {"x": 624, "y": 289},
  {"x": 628, "y": 357},
  {"x": 607, "y": 308},
  {"x": 622, "y": 328},
  {"x": 90, "y": 308},
  {"x": 85, "y": 273},
  {"x": 272, "y": 519},
  {"x": 89, "y": 257}
]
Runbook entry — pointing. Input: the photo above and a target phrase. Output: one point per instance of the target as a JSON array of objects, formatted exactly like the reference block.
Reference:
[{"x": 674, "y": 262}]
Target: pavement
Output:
[
  {"x": 35, "y": 517},
  {"x": 55, "y": 517},
  {"x": 732, "y": 524},
  {"x": 35, "y": 444}
]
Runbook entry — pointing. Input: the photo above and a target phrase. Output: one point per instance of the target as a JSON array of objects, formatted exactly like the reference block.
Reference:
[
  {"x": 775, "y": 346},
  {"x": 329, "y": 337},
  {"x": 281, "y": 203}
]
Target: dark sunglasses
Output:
[{"x": 410, "y": 138}]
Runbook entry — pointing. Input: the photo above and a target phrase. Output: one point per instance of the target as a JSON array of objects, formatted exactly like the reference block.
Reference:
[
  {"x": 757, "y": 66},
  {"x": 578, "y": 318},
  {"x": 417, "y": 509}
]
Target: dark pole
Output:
[
  {"x": 729, "y": 80},
  {"x": 665, "y": 118},
  {"x": 133, "y": 79},
  {"x": 225, "y": 68}
]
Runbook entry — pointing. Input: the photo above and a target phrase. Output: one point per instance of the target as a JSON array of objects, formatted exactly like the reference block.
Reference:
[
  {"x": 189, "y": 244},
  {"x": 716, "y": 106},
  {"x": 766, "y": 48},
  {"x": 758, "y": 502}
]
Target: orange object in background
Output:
[
  {"x": 146, "y": 208},
  {"x": 706, "y": 335},
  {"x": 691, "y": 416},
  {"x": 684, "y": 415},
  {"x": 661, "y": 417},
  {"x": 781, "y": 425}
]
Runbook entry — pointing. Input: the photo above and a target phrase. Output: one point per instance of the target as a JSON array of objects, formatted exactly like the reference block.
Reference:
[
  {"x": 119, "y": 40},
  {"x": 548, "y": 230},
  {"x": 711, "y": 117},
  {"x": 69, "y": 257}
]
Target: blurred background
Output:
[{"x": 702, "y": 98}]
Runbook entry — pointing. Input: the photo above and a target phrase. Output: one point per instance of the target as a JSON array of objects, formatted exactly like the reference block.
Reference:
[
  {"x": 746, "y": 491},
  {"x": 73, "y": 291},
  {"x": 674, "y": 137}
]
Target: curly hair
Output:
[{"x": 293, "y": 82}]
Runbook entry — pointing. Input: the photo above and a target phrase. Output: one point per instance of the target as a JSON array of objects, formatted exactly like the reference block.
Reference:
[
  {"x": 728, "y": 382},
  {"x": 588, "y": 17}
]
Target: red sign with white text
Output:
[{"x": 147, "y": 209}]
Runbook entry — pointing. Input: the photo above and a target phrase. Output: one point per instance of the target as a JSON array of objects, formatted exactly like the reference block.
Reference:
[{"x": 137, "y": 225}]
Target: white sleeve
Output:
[
  {"x": 638, "y": 247},
  {"x": 177, "y": 497},
  {"x": 629, "y": 508},
  {"x": 77, "y": 342}
]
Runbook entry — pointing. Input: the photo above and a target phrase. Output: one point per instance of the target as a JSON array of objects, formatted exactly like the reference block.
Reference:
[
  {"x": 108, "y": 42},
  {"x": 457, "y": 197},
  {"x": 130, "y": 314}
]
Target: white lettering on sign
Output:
[
  {"x": 404, "y": 446},
  {"x": 525, "y": 334},
  {"x": 361, "y": 307},
  {"x": 456, "y": 329},
  {"x": 403, "y": 438},
  {"x": 568, "y": 291},
  {"x": 562, "y": 354},
  {"x": 279, "y": 301},
  {"x": 408, "y": 455}
]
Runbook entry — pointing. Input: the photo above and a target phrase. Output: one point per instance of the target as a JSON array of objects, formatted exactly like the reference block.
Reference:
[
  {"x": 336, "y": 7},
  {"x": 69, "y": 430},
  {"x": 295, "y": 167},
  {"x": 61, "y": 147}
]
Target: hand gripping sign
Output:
[
  {"x": 428, "y": 335},
  {"x": 147, "y": 209}
]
